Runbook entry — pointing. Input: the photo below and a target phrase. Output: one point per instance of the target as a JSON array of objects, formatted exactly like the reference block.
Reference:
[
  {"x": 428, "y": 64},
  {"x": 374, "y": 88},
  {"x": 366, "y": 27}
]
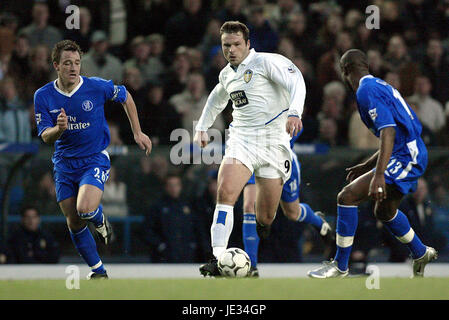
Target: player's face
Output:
[
  {"x": 234, "y": 47},
  {"x": 345, "y": 75},
  {"x": 69, "y": 67}
]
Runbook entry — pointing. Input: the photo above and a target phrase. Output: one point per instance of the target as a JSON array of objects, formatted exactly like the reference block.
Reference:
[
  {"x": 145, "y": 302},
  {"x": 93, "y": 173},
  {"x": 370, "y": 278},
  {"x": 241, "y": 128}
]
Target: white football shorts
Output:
[{"x": 265, "y": 154}]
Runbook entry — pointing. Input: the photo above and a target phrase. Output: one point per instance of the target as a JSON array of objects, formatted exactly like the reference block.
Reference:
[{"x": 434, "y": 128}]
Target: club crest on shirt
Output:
[
  {"x": 373, "y": 114},
  {"x": 247, "y": 75},
  {"x": 87, "y": 105}
]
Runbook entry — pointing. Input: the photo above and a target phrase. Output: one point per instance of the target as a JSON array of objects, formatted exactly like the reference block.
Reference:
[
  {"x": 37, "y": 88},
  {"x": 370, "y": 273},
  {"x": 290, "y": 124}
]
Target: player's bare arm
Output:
[
  {"x": 142, "y": 140},
  {"x": 50, "y": 135},
  {"x": 377, "y": 188}
]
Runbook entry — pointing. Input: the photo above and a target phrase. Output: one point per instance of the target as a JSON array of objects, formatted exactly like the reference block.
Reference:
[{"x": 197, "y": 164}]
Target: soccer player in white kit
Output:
[{"x": 268, "y": 93}]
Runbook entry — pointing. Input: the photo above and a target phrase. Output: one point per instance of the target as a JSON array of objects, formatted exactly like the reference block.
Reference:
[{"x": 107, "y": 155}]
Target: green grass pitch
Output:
[{"x": 228, "y": 289}]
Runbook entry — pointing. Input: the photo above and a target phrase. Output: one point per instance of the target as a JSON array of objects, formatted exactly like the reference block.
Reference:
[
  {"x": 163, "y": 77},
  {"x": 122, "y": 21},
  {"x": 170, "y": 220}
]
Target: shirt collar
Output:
[
  {"x": 72, "y": 92},
  {"x": 364, "y": 77},
  {"x": 250, "y": 56}
]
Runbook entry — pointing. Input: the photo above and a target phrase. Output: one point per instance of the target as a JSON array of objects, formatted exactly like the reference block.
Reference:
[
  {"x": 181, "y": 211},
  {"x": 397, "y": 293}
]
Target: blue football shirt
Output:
[
  {"x": 87, "y": 132},
  {"x": 380, "y": 106}
]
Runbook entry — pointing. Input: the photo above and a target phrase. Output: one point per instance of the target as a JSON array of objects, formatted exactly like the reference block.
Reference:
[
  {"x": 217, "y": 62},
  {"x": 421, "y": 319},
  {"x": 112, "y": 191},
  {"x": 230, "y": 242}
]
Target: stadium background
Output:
[{"x": 168, "y": 55}]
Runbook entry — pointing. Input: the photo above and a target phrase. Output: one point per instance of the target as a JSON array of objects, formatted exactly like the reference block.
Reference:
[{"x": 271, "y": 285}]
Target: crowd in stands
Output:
[{"x": 168, "y": 55}]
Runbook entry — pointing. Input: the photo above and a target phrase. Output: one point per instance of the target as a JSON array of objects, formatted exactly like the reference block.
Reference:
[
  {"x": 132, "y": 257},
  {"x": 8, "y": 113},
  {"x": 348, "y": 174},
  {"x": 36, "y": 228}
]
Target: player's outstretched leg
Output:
[
  {"x": 397, "y": 223},
  {"x": 347, "y": 219},
  {"x": 232, "y": 177},
  {"x": 249, "y": 233}
]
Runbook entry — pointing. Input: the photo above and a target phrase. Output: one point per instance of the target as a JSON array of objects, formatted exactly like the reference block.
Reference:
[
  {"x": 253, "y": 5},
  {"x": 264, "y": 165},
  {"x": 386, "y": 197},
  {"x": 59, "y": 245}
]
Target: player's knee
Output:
[
  {"x": 383, "y": 213},
  {"x": 84, "y": 208},
  {"x": 266, "y": 220},
  {"x": 225, "y": 194},
  {"x": 345, "y": 197}
]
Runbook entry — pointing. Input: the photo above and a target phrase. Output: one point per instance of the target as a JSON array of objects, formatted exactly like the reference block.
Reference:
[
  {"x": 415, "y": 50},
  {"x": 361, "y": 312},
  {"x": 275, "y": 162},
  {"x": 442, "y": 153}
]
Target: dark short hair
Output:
[
  {"x": 235, "y": 27},
  {"x": 64, "y": 45}
]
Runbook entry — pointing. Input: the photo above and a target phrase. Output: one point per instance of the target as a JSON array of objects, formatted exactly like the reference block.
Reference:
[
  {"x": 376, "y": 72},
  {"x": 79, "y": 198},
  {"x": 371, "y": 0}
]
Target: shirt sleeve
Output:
[
  {"x": 41, "y": 114},
  {"x": 378, "y": 111},
  {"x": 284, "y": 72},
  {"x": 112, "y": 92},
  {"x": 215, "y": 104}
]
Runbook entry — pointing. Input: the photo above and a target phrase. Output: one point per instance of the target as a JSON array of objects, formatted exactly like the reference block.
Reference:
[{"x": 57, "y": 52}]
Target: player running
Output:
[
  {"x": 291, "y": 207},
  {"x": 400, "y": 161},
  {"x": 70, "y": 114},
  {"x": 268, "y": 92}
]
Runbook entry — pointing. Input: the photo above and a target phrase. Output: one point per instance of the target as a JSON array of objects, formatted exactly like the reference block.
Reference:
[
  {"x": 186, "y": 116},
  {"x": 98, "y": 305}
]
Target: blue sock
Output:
[
  {"x": 399, "y": 226},
  {"x": 250, "y": 237},
  {"x": 86, "y": 247},
  {"x": 309, "y": 216},
  {"x": 96, "y": 216},
  {"x": 347, "y": 219}
]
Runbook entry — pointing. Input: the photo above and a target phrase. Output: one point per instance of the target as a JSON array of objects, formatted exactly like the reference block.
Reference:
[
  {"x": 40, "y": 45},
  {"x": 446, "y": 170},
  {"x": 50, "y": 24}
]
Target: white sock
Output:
[{"x": 221, "y": 228}]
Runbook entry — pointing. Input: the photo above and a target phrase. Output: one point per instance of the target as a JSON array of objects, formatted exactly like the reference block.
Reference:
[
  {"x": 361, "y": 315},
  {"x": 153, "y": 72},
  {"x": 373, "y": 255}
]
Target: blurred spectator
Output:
[
  {"x": 114, "y": 196},
  {"x": 157, "y": 53},
  {"x": 217, "y": 63},
  {"x": 329, "y": 30},
  {"x": 211, "y": 40},
  {"x": 143, "y": 186},
  {"x": 19, "y": 64},
  {"x": 8, "y": 30},
  {"x": 328, "y": 67},
  {"x": 262, "y": 36},
  {"x": 158, "y": 118},
  {"x": 397, "y": 59},
  {"x": 14, "y": 115},
  {"x": 41, "y": 71},
  {"x": 329, "y": 133},
  {"x": 203, "y": 208},
  {"x": 190, "y": 103},
  {"x": 39, "y": 32},
  {"x": 435, "y": 66},
  {"x": 170, "y": 230},
  {"x": 82, "y": 35},
  {"x": 99, "y": 63},
  {"x": 418, "y": 14},
  {"x": 114, "y": 131},
  {"x": 279, "y": 16},
  {"x": 286, "y": 48},
  {"x": 359, "y": 136},
  {"x": 151, "y": 68},
  {"x": 301, "y": 37},
  {"x": 421, "y": 216},
  {"x": 30, "y": 243},
  {"x": 43, "y": 195},
  {"x": 232, "y": 11},
  {"x": 149, "y": 16},
  {"x": 393, "y": 79},
  {"x": 376, "y": 64},
  {"x": 178, "y": 73},
  {"x": 390, "y": 19},
  {"x": 429, "y": 111},
  {"x": 196, "y": 60},
  {"x": 3, "y": 254},
  {"x": 187, "y": 27}
]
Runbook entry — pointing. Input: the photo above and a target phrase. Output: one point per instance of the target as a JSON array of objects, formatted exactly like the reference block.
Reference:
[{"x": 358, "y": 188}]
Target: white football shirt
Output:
[{"x": 264, "y": 89}]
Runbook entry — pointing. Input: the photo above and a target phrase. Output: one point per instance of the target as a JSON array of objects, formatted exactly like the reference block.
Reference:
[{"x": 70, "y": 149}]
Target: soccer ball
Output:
[{"x": 234, "y": 263}]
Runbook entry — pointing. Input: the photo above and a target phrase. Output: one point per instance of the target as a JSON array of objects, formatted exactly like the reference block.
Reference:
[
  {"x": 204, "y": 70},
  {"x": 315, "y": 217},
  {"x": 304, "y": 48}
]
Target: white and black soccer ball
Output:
[{"x": 234, "y": 263}]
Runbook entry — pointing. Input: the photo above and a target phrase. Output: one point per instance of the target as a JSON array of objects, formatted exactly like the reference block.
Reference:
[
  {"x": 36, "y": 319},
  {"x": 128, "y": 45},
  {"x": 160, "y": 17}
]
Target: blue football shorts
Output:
[{"x": 71, "y": 174}]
